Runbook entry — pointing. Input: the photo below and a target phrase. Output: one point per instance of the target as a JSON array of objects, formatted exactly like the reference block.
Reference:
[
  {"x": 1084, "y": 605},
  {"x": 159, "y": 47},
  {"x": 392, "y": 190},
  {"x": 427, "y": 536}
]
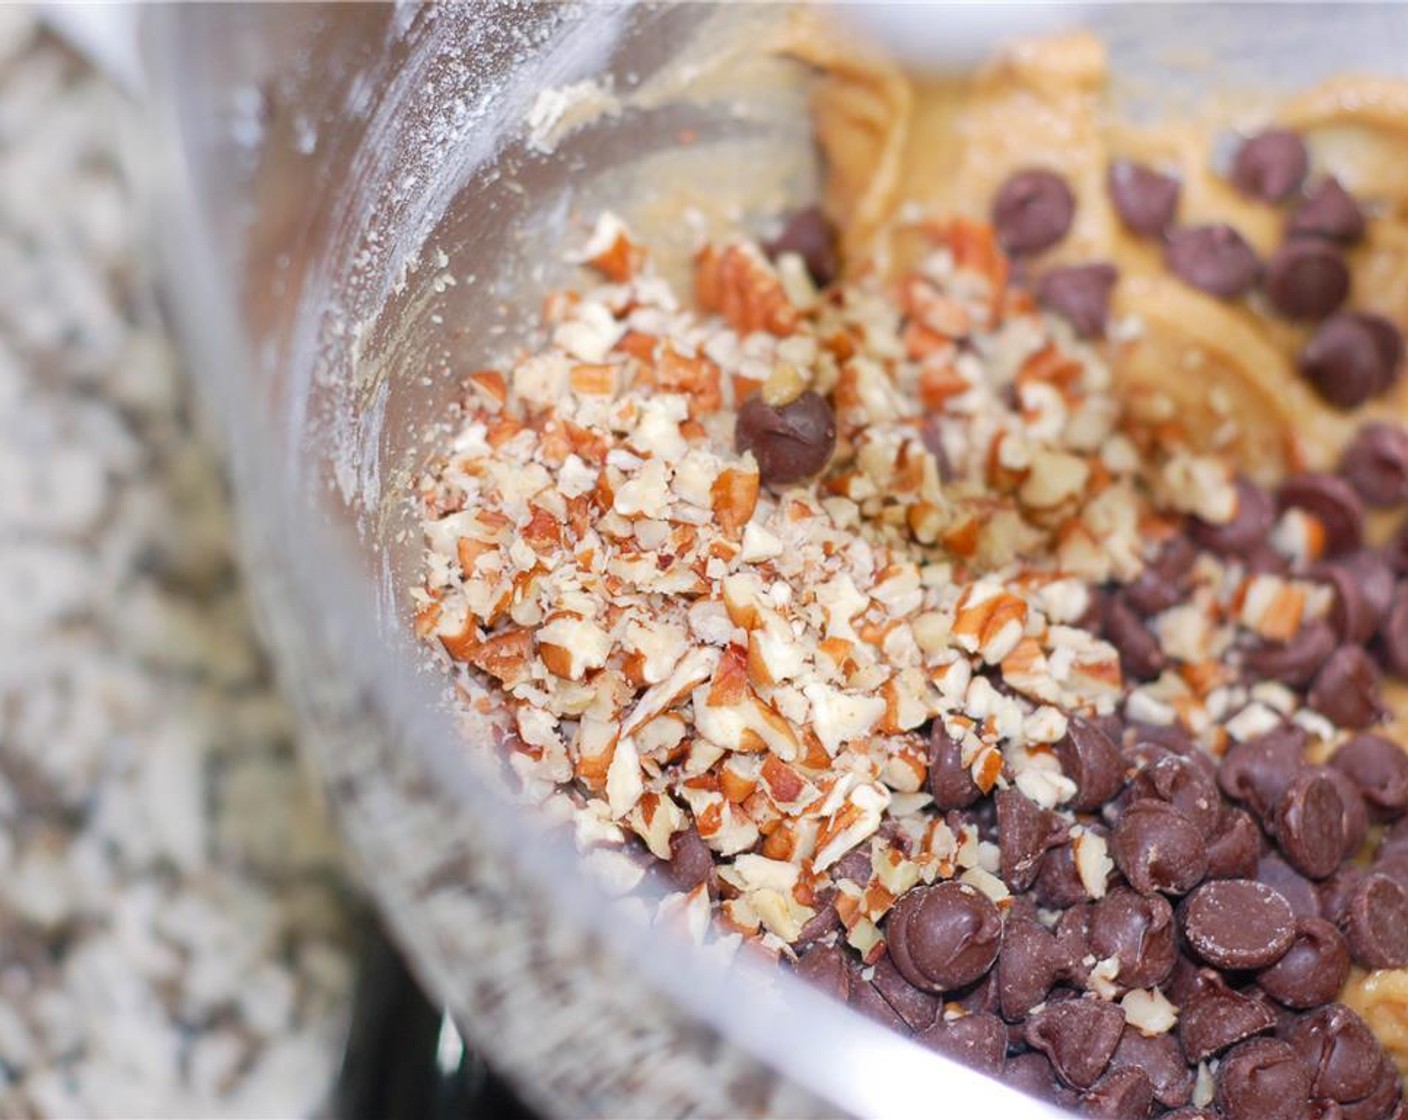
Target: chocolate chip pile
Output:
[
  {"x": 862, "y": 615},
  {"x": 1351, "y": 357}
]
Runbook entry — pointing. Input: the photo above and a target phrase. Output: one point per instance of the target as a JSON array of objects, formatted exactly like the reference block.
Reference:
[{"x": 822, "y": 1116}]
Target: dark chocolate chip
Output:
[
  {"x": 1346, "y": 689},
  {"x": 1033, "y": 959},
  {"x": 1141, "y": 657},
  {"x": 1384, "y": 1102},
  {"x": 1331, "y": 501},
  {"x": 1293, "y": 662},
  {"x": 823, "y": 922},
  {"x": 1032, "y": 211},
  {"x": 1255, "y": 515},
  {"x": 1262, "y": 1079},
  {"x": 1313, "y": 969},
  {"x": 1161, "y": 1059},
  {"x": 1032, "y": 1073},
  {"x": 791, "y": 442},
  {"x": 1159, "y": 849},
  {"x": 1393, "y": 633},
  {"x": 1270, "y": 165},
  {"x": 1376, "y": 923},
  {"x": 691, "y": 861},
  {"x": 1356, "y": 814},
  {"x": 1122, "y": 1094},
  {"x": 1238, "y": 923},
  {"x": 944, "y": 936},
  {"x": 1378, "y": 767},
  {"x": 1376, "y": 464},
  {"x": 824, "y": 967},
  {"x": 917, "y": 1008},
  {"x": 1091, "y": 759},
  {"x": 1080, "y": 294},
  {"x": 1058, "y": 884},
  {"x": 1164, "y": 581},
  {"x": 1328, "y": 211},
  {"x": 950, "y": 782},
  {"x": 1079, "y": 1036},
  {"x": 1215, "y": 259},
  {"x": 1394, "y": 865},
  {"x": 1258, "y": 771},
  {"x": 1306, "y": 279},
  {"x": 1025, "y": 832},
  {"x": 1216, "y": 1017},
  {"x": 1294, "y": 887},
  {"x": 1352, "y": 357},
  {"x": 870, "y": 1003},
  {"x": 1308, "y": 823},
  {"x": 1188, "y": 783},
  {"x": 1138, "y": 931},
  {"x": 855, "y": 866},
  {"x": 1234, "y": 849},
  {"x": 1337, "y": 892},
  {"x": 809, "y": 234},
  {"x": 1340, "y": 1052},
  {"x": 978, "y": 1041},
  {"x": 1145, "y": 200}
]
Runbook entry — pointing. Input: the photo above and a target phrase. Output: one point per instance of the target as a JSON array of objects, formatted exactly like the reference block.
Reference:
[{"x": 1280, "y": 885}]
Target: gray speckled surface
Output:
[{"x": 173, "y": 926}]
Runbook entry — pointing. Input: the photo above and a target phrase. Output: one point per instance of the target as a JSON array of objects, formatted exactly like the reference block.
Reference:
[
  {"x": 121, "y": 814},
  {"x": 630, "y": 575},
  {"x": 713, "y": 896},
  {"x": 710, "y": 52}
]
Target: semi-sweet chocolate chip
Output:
[
  {"x": 1238, "y": 923},
  {"x": 1262, "y": 1079},
  {"x": 1376, "y": 464},
  {"x": 1091, "y": 759},
  {"x": 1346, "y": 689},
  {"x": 1032, "y": 211},
  {"x": 1378, "y": 767},
  {"x": 1216, "y": 1017},
  {"x": 1138, "y": 931},
  {"x": 1033, "y": 959},
  {"x": 1080, "y": 294},
  {"x": 1328, "y": 211},
  {"x": 1356, "y": 813},
  {"x": 1215, "y": 259},
  {"x": 917, "y": 1008},
  {"x": 1270, "y": 165},
  {"x": 1234, "y": 848},
  {"x": 1164, "y": 581},
  {"x": 1161, "y": 1059},
  {"x": 1141, "y": 656},
  {"x": 791, "y": 442},
  {"x": 824, "y": 967},
  {"x": 1294, "y": 662},
  {"x": 1122, "y": 1094},
  {"x": 691, "y": 861},
  {"x": 1306, "y": 279},
  {"x": 1157, "y": 848},
  {"x": 1251, "y": 522},
  {"x": 1393, "y": 632},
  {"x": 944, "y": 936},
  {"x": 1259, "y": 770},
  {"x": 1294, "y": 887},
  {"x": 810, "y": 234},
  {"x": 1352, "y": 357},
  {"x": 1146, "y": 200},
  {"x": 1308, "y": 823},
  {"x": 1313, "y": 969},
  {"x": 1331, "y": 501},
  {"x": 950, "y": 782},
  {"x": 1079, "y": 1037},
  {"x": 978, "y": 1040},
  {"x": 1339, "y": 1050},
  {"x": 1376, "y": 922},
  {"x": 1025, "y": 831}
]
